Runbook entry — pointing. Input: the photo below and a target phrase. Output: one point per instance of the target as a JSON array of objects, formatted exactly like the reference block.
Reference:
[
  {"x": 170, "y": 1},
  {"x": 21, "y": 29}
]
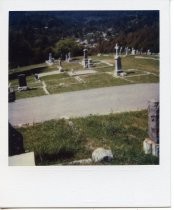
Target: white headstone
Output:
[
  {"x": 133, "y": 51},
  {"x": 126, "y": 50}
]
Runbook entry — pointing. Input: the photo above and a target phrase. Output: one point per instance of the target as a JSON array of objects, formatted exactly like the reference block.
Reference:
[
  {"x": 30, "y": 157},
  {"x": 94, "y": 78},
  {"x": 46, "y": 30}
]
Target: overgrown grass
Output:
[{"x": 58, "y": 142}]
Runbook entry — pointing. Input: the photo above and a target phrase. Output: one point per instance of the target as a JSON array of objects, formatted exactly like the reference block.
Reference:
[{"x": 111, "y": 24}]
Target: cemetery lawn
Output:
[
  {"x": 62, "y": 141},
  {"x": 138, "y": 71},
  {"x": 35, "y": 88},
  {"x": 55, "y": 84},
  {"x": 130, "y": 62}
]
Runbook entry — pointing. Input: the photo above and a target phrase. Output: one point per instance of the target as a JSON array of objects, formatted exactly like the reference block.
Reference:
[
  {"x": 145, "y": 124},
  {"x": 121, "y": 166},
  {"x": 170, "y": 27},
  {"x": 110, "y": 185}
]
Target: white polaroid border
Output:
[{"x": 87, "y": 186}]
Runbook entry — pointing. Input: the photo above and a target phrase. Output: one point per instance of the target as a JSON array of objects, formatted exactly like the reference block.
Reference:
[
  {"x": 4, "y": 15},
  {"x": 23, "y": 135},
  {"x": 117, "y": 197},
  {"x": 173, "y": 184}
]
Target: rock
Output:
[
  {"x": 64, "y": 117},
  {"x": 151, "y": 147},
  {"x": 60, "y": 69},
  {"x": 100, "y": 154},
  {"x": 71, "y": 124},
  {"x": 122, "y": 74}
]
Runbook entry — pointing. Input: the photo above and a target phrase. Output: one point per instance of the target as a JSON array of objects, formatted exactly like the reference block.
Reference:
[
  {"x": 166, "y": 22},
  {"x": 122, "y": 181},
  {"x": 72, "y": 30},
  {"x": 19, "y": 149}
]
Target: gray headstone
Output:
[
  {"x": 116, "y": 50},
  {"x": 11, "y": 95},
  {"x": 60, "y": 62},
  {"x": 50, "y": 57},
  {"x": 69, "y": 56},
  {"x": 85, "y": 58},
  {"x": 22, "y": 80},
  {"x": 153, "y": 120},
  {"x": 126, "y": 50},
  {"x": 85, "y": 53},
  {"x": 120, "y": 51}
]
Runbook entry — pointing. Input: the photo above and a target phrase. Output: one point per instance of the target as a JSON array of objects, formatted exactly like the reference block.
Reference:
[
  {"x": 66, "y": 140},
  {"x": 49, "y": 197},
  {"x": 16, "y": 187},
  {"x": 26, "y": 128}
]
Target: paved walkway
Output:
[
  {"x": 81, "y": 72},
  {"x": 49, "y": 73},
  {"x": 82, "y": 103}
]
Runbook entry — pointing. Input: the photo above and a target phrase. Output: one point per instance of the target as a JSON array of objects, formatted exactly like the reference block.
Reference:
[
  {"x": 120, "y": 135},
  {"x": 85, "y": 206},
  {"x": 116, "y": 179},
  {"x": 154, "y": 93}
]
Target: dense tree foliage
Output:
[
  {"x": 32, "y": 35},
  {"x": 65, "y": 46}
]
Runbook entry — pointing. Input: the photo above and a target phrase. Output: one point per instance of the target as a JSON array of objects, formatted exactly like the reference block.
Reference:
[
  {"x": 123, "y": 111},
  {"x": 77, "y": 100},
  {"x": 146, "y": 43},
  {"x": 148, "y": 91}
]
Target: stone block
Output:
[
  {"x": 101, "y": 154},
  {"x": 150, "y": 147},
  {"x": 153, "y": 120}
]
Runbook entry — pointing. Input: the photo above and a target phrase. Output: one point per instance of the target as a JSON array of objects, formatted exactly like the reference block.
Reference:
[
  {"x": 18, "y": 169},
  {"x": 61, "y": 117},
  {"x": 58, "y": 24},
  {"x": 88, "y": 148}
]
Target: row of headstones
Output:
[
  {"x": 121, "y": 51},
  {"x": 118, "y": 65},
  {"x": 132, "y": 51},
  {"x": 51, "y": 60}
]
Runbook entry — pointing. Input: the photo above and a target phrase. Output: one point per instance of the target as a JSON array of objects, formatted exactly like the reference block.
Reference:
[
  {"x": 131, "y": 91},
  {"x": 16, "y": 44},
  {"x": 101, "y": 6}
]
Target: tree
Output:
[{"x": 64, "y": 46}]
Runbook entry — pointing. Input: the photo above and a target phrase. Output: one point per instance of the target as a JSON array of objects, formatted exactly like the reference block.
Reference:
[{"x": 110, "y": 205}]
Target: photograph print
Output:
[{"x": 83, "y": 88}]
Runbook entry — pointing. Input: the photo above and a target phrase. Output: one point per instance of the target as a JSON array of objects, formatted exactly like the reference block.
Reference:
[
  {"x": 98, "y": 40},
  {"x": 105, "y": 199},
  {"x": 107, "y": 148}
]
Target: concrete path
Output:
[
  {"x": 49, "y": 73},
  {"x": 81, "y": 72},
  {"x": 25, "y": 159},
  {"x": 82, "y": 103}
]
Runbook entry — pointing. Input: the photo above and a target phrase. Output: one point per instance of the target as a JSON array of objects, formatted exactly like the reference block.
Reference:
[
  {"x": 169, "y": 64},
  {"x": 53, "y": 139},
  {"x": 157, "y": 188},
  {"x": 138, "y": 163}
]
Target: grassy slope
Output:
[{"x": 57, "y": 142}]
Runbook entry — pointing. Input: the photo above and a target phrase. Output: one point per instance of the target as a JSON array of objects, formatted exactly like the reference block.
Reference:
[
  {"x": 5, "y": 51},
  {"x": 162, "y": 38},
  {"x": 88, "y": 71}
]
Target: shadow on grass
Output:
[
  {"x": 62, "y": 155},
  {"x": 15, "y": 141},
  {"x": 27, "y": 72}
]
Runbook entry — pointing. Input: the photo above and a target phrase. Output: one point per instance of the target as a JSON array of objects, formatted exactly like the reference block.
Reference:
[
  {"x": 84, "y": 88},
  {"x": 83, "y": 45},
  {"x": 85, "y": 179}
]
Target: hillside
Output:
[{"x": 32, "y": 35}]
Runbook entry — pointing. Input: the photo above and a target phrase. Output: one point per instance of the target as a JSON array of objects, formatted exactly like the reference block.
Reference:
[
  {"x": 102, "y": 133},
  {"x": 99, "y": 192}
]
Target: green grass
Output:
[
  {"x": 144, "y": 79},
  {"x": 29, "y": 79},
  {"x": 72, "y": 65},
  {"x": 35, "y": 88},
  {"x": 104, "y": 68},
  {"x": 30, "y": 93},
  {"x": 54, "y": 77},
  {"x": 130, "y": 62},
  {"x": 91, "y": 81},
  {"x": 102, "y": 57},
  {"x": 56, "y": 142}
]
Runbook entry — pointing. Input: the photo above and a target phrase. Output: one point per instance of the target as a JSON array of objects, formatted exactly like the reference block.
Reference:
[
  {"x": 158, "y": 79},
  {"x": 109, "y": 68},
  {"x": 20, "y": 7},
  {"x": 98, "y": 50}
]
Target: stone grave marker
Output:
[
  {"x": 89, "y": 63},
  {"x": 50, "y": 60},
  {"x": 120, "y": 50},
  {"x": 11, "y": 95},
  {"x": 22, "y": 82},
  {"x": 118, "y": 67},
  {"x": 69, "y": 57},
  {"x": 126, "y": 50},
  {"x": 148, "y": 52},
  {"x": 85, "y": 58},
  {"x": 141, "y": 51},
  {"x": 133, "y": 51},
  {"x": 151, "y": 144}
]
